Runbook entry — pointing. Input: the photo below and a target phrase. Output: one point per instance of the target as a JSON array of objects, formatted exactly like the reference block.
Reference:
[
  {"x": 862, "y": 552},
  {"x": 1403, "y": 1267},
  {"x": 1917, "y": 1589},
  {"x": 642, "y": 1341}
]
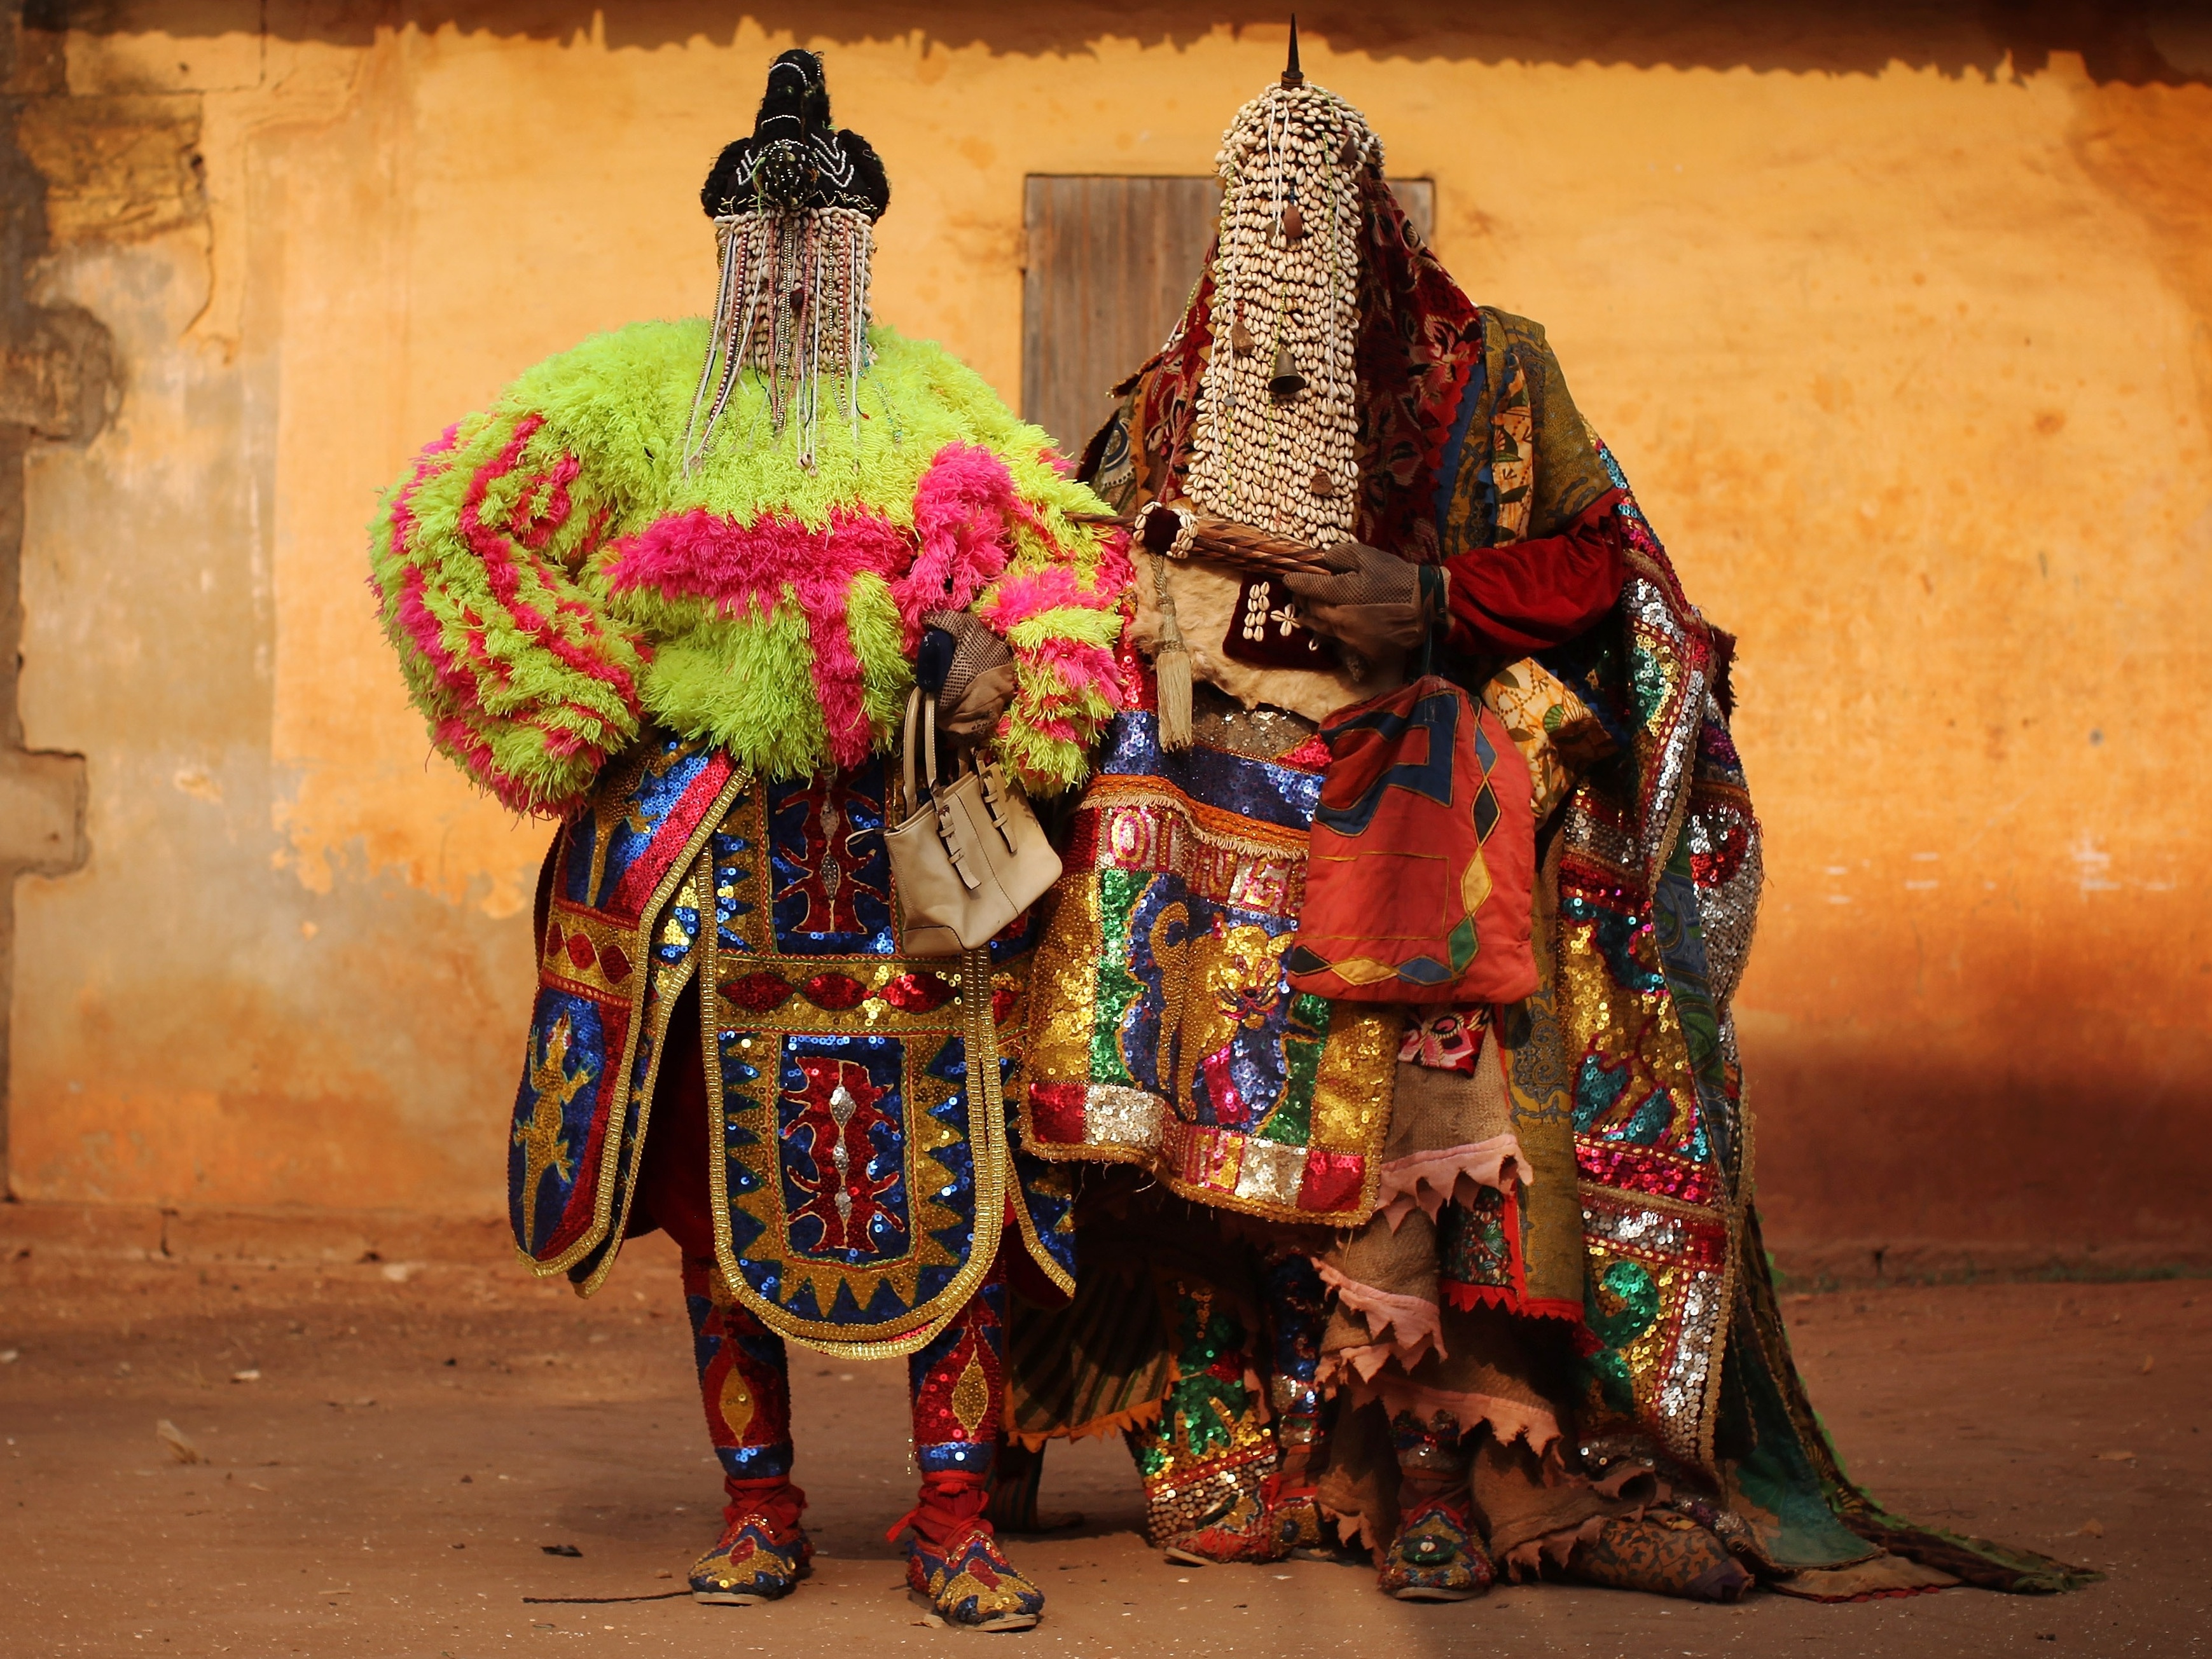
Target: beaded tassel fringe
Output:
[{"x": 792, "y": 306}]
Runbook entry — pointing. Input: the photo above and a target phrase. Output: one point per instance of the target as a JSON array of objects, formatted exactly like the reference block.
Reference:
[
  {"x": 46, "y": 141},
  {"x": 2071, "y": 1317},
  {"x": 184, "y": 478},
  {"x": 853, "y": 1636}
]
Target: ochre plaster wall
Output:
[{"x": 1909, "y": 366}]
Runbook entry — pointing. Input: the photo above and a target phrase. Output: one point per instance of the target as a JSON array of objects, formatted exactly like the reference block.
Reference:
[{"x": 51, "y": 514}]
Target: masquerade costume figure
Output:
[
  {"x": 1543, "y": 1321},
  {"x": 668, "y": 589}
]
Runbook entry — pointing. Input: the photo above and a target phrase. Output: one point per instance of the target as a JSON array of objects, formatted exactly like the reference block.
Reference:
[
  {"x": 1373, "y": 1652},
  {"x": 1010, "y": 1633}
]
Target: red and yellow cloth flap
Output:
[{"x": 1423, "y": 856}]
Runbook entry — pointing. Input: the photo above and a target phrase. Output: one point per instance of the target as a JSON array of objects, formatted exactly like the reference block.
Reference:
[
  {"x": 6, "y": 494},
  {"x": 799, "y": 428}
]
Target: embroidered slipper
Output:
[
  {"x": 1436, "y": 1557},
  {"x": 755, "y": 1561},
  {"x": 1662, "y": 1553},
  {"x": 970, "y": 1584},
  {"x": 1274, "y": 1520}
]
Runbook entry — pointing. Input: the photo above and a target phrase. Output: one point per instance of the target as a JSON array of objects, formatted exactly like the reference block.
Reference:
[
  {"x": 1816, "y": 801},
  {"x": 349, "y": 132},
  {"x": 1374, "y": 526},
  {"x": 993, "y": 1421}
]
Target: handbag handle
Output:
[
  {"x": 922, "y": 706},
  {"x": 919, "y": 703},
  {"x": 914, "y": 700}
]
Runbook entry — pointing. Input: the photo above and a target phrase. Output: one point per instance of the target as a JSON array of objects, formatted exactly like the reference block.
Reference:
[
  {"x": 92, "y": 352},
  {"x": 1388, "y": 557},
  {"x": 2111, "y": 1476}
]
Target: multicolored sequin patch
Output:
[
  {"x": 1210, "y": 1446},
  {"x": 861, "y": 1200},
  {"x": 1657, "y": 1305},
  {"x": 1165, "y": 1032},
  {"x": 605, "y": 977},
  {"x": 1651, "y": 1082}
]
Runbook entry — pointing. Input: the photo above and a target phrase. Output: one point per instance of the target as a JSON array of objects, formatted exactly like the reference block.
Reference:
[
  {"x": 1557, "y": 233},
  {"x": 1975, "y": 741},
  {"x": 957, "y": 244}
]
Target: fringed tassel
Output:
[
  {"x": 1172, "y": 667},
  {"x": 792, "y": 306}
]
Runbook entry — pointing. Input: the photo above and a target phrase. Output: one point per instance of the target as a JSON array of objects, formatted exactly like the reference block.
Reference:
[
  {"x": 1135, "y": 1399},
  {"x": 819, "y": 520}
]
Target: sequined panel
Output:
[
  {"x": 1165, "y": 1032},
  {"x": 560, "y": 1118},
  {"x": 1726, "y": 857},
  {"x": 603, "y": 962},
  {"x": 862, "y": 1242},
  {"x": 1115, "y": 1116},
  {"x": 1655, "y": 1303},
  {"x": 1658, "y": 886},
  {"x": 959, "y": 1388},
  {"x": 1480, "y": 1258},
  {"x": 668, "y": 969},
  {"x": 840, "y": 1118},
  {"x": 831, "y": 875},
  {"x": 1667, "y": 683},
  {"x": 1297, "y": 1315},
  {"x": 1633, "y": 1084},
  {"x": 745, "y": 1380},
  {"x": 616, "y": 853},
  {"x": 1047, "y": 1207},
  {"x": 1211, "y": 1444},
  {"x": 850, "y": 1167},
  {"x": 1678, "y": 928}
]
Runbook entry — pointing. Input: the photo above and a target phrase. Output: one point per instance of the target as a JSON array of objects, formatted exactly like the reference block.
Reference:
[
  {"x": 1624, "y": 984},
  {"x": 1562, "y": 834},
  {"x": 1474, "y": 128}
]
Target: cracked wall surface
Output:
[
  {"x": 57, "y": 385},
  {"x": 1897, "y": 317}
]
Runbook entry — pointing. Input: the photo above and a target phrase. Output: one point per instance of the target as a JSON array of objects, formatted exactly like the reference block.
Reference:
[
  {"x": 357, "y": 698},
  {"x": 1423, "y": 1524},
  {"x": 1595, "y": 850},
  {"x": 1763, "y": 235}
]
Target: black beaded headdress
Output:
[
  {"x": 794, "y": 207},
  {"x": 795, "y": 160}
]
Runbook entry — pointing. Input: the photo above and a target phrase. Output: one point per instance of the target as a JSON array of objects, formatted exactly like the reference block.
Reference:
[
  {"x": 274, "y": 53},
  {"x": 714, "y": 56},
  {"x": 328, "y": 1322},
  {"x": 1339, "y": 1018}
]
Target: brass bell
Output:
[
  {"x": 1240, "y": 337},
  {"x": 1294, "y": 223},
  {"x": 1286, "y": 383},
  {"x": 1322, "y": 485}
]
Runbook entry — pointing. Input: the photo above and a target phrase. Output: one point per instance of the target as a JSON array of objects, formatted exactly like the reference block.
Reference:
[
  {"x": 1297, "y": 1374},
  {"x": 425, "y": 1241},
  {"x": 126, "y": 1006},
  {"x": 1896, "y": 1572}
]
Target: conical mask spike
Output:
[{"x": 1292, "y": 76}]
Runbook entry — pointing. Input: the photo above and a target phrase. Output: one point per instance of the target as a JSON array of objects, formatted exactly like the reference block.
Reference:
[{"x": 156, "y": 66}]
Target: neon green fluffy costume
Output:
[{"x": 554, "y": 580}]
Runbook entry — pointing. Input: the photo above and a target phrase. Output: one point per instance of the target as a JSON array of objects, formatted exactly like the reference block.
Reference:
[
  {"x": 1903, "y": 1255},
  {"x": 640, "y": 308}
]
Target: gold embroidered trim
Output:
[
  {"x": 648, "y": 919},
  {"x": 986, "y": 1140}
]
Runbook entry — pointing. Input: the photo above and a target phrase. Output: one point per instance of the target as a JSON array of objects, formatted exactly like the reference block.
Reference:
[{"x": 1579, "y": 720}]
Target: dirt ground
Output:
[{"x": 406, "y": 1440}]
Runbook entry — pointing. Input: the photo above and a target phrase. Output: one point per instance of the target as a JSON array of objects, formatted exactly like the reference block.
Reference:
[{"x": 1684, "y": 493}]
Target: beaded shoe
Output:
[
  {"x": 755, "y": 1561},
  {"x": 1273, "y": 1522},
  {"x": 970, "y": 1584},
  {"x": 1436, "y": 1557}
]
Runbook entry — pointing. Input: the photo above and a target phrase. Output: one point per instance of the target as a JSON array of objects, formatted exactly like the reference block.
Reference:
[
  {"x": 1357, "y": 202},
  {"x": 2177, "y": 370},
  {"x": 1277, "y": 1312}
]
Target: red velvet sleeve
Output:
[{"x": 1510, "y": 600}]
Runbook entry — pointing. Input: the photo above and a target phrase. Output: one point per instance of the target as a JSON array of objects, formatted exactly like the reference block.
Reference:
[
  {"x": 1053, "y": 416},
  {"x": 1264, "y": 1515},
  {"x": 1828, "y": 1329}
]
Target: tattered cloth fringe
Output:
[
  {"x": 1136, "y": 1417},
  {"x": 1099, "y": 1364},
  {"x": 1508, "y": 1419},
  {"x": 1352, "y": 1529},
  {"x": 1415, "y": 1322},
  {"x": 1353, "y": 1526},
  {"x": 1429, "y": 1180},
  {"x": 1525, "y": 1558}
]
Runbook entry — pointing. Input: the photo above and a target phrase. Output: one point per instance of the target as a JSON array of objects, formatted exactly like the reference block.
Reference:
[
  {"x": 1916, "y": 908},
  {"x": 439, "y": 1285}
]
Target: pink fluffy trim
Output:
[
  {"x": 965, "y": 507},
  {"x": 747, "y": 569},
  {"x": 548, "y": 505},
  {"x": 1508, "y": 1419}
]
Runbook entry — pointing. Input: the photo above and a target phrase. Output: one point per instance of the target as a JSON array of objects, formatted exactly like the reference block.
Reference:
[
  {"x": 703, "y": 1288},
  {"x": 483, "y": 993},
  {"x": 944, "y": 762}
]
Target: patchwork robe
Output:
[{"x": 1604, "y": 1189}]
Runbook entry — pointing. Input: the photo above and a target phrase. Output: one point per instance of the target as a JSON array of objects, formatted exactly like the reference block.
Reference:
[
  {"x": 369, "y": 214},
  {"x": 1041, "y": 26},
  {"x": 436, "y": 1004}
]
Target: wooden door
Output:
[{"x": 1111, "y": 263}]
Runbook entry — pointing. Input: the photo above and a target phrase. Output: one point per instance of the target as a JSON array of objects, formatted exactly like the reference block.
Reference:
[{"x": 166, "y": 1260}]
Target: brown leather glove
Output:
[
  {"x": 1370, "y": 602},
  {"x": 978, "y": 678}
]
